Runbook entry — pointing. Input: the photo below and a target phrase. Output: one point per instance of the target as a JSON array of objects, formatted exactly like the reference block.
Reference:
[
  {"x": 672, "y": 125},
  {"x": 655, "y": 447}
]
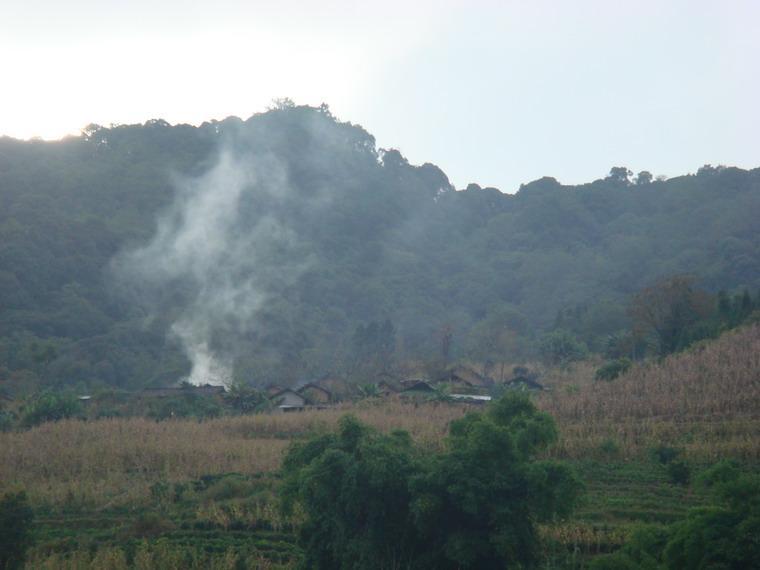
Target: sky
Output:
[{"x": 494, "y": 92}]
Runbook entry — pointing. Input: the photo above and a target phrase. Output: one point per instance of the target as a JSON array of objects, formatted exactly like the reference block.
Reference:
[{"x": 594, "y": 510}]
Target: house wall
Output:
[{"x": 291, "y": 399}]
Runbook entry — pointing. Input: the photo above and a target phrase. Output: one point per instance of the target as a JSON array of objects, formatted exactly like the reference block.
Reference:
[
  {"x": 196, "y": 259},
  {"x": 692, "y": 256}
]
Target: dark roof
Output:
[
  {"x": 417, "y": 386},
  {"x": 465, "y": 375},
  {"x": 285, "y": 391},
  {"x": 311, "y": 385}
]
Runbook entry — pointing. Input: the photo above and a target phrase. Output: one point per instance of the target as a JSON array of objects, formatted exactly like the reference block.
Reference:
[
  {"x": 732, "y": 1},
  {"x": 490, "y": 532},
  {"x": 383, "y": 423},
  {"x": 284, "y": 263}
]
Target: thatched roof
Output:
[{"x": 416, "y": 385}]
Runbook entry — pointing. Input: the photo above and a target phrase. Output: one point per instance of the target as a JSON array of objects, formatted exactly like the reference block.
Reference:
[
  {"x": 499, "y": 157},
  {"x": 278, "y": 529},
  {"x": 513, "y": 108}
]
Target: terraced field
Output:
[{"x": 185, "y": 494}]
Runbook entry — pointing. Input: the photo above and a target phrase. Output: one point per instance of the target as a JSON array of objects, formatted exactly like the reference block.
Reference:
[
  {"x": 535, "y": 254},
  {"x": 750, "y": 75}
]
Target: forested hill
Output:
[{"x": 325, "y": 240}]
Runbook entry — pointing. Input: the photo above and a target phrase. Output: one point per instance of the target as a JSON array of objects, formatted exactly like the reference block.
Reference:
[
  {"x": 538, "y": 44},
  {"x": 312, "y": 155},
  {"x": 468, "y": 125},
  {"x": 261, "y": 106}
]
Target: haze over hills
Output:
[{"x": 287, "y": 245}]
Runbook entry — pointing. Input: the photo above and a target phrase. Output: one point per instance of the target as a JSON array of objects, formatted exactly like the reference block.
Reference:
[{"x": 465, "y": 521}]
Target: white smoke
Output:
[{"x": 221, "y": 255}]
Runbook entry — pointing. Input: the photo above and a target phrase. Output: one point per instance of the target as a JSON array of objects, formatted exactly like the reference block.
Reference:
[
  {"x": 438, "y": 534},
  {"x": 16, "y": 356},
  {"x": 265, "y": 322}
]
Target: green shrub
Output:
[
  {"x": 721, "y": 536},
  {"x": 643, "y": 551},
  {"x": 612, "y": 369},
  {"x": 185, "y": 406},
  {"x": 724, "y": 535},
  {"x": 50, "y": 407},
  {"x": 679, "y": 472},
  {"x": 664, "y": 454},
  {"x": 16, "y": 519},
  {"x": 609, "y": 447},
  {"x": 561, "y": 347},
  {"x": 229, "y": 488},
  {"x": 7, "y": 420}
]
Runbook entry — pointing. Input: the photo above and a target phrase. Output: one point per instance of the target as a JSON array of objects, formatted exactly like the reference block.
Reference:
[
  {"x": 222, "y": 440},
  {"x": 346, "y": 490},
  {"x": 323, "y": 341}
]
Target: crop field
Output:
[{"x": 117, "y": 493}]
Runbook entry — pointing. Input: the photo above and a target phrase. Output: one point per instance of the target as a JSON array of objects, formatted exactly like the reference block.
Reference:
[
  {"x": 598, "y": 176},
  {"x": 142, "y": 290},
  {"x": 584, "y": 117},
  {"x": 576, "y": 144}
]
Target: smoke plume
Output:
[{"x": 219, "y": 254}]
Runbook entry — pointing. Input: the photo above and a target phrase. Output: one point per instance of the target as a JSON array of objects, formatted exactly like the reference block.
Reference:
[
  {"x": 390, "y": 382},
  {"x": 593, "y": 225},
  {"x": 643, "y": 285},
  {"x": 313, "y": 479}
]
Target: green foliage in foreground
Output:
[
  {"x": 723, "y": 536},
  {"x": 16, "y": 518},
  {"x": 50, "y": 407},
  {"x": 612, "y": 369},
  {"x": 376, "y": 501}
]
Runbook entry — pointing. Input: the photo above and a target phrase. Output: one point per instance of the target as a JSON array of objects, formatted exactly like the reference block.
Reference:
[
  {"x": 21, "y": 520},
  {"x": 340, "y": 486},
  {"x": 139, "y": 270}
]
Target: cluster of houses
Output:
[{"x": 457, "y": 384}]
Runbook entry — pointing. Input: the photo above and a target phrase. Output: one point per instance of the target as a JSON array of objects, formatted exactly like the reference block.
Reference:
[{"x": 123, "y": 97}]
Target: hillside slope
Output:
[{"x": 323, "y": 233}]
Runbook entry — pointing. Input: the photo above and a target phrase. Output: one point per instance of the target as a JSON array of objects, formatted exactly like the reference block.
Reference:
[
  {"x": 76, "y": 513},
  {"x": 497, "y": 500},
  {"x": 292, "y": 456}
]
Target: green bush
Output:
[
  {"x": 724, "y": 535},
  {"x": 561, "y": 347},
  {"x": 722, "y": 472},
  {"x": 643, "y": 551},
  {"x": 679, "y": 472},
  {"x": 230, "y": 487},
  {"x": 612, "y": 369},
  {"x": 185, "y": 406},
  {"x": 7, "y": 420},
  {"x": 50, "y": 407},
  {"x": 16, "y": 519},
  {"x": 664, "y": 454},
  {"x": 609, "y": 447}
]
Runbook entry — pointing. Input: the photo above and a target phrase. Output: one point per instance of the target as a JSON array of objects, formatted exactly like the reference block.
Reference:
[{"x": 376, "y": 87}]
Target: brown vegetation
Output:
[
  {"x": 704, "y": 401},
  {"x": 115, "y": 461}
]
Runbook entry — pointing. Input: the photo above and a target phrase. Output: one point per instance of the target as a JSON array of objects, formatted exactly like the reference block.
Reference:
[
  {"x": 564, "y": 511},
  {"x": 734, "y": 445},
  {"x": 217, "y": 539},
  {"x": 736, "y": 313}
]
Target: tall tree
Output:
[{"x": 667, "y": 309}]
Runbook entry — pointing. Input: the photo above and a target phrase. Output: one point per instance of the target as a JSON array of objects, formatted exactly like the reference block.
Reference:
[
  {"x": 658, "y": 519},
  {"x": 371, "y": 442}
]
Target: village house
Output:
[
  {"x": 287, "y": 400},
  {"x": 315, "y": 394},
  {"x": 338, "y": 387},
  {"x": 465, "y": 376},
  {"x": 524, "y": 379},
  {"x": 273, "y": 389},
  {"x": 416, "y": 386}
]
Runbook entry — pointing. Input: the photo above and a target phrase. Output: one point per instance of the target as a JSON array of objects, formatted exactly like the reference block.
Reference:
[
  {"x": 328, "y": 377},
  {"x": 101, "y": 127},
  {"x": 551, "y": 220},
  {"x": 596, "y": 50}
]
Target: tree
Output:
[
  {"x": 667, "y": 309},
  {"x": 644, "y": 177},
  {"x": 16, "y": 518},
  {"x": 373, "y": 346},
  {"x": 620, "y": 174},
  {"x": 446, "y": 334},
  {"x": 353, "y": 487},
  {"x": 477, "y": 505},
  {"x": 245, "y": 399},
  {"x": 561, "y": 347},
  {"x": 613, "y": 369},
  {"x": 376, "y": 501}
]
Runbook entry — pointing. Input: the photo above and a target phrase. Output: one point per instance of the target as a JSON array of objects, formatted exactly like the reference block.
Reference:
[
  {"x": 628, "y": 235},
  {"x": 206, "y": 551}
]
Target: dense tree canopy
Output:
[
  {"x": 377, "y": 501},
  {"x": 365, "y": 238}
]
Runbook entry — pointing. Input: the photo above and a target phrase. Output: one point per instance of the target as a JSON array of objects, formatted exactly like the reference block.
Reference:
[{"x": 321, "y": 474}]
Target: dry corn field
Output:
[
  {"x": 704, "y": 401},
  {"x": 707, "y": 400},
  {"x": 114, "y": 462}
]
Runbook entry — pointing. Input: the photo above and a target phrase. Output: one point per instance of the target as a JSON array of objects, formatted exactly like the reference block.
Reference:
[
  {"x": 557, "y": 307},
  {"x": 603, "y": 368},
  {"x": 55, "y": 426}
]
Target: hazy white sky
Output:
[{"x": 496, "y": 92}]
